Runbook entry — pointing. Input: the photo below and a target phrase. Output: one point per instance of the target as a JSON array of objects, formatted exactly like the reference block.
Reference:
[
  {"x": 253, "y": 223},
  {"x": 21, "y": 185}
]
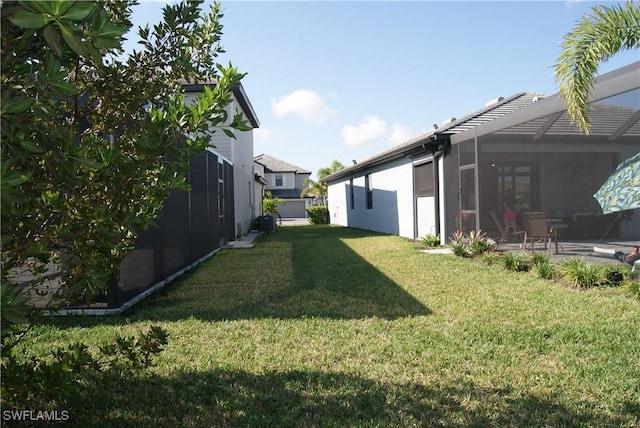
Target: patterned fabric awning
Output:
[{"x": 621, "y": 191}]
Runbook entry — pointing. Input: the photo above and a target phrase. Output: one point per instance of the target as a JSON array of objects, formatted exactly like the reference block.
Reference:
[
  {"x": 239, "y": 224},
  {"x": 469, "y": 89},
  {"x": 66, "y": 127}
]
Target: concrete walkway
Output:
[
  {"x": 244, "y": 242},
  {"x": 302, "y": 221},
  {"x": 247, "y": 240}
]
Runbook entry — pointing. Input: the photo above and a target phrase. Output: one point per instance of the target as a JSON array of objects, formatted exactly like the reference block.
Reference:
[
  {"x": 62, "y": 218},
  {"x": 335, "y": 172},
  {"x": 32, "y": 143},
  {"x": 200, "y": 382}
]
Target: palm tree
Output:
[
  {"x": 594, "y": 39},
  {"x": 318, "y": 188}
]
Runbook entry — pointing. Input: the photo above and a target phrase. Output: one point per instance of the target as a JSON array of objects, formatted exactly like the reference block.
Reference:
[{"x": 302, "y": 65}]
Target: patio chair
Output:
[
  {"x": 505, "y": 232},
  {"x": 536, "y": 229}
]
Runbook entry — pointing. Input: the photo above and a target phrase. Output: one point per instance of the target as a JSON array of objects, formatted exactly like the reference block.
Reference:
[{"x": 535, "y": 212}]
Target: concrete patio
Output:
[{"x": 590, "y": 250}]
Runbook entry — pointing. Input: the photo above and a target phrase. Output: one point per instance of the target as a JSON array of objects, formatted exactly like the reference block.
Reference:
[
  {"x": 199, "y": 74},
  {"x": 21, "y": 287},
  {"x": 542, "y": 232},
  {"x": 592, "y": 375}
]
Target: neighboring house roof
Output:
[
  {"x": 272, "y": 164},
  {"x": 238, "y": 92}
]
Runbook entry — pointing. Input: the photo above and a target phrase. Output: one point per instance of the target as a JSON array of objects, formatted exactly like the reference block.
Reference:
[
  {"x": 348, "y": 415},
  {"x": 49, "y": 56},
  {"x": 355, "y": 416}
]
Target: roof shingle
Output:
[{"x": 272, "y": 164}]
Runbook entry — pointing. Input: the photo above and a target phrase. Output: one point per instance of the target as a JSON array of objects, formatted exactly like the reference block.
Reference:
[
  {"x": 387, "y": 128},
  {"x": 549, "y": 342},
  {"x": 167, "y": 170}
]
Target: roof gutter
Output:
[
  {"x": 260, "y": 179},
  {"x": 434, "y": 143}
]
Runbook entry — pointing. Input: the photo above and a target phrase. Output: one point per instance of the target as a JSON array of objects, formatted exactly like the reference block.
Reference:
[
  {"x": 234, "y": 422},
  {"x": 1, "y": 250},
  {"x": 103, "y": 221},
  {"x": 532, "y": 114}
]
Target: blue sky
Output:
[{"x": 346, "y": 80}]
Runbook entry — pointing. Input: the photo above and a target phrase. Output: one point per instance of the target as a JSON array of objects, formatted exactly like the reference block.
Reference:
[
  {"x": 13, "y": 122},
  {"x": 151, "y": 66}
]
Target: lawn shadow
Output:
[
  {"x": 295, "y": 272},
  {"x": 305, "y": 399}
]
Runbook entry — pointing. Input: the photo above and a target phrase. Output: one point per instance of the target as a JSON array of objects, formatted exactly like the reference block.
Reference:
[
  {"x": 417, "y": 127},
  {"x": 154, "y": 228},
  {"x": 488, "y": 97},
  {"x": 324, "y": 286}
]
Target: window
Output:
[
  {"x": 352, "y": 199},
  {"x": 424, "y": 180},
  {"x": 369, "y": 189},
  {"x": 278, "y": 180}
]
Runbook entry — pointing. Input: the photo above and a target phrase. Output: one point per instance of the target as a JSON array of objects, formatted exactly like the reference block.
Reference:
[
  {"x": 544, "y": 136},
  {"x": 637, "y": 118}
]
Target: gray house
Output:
[
  {"x": 194, "y": 225},
  {"x": 239, "y": 152},
  {"x": 522, "y": 149},
  {"x": 285, "y": 181}
]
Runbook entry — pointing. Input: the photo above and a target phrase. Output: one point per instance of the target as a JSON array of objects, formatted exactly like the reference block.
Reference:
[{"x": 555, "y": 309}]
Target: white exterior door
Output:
[
  {"x": 426, "y": 216},
  {"x": 425, "y": 193}
]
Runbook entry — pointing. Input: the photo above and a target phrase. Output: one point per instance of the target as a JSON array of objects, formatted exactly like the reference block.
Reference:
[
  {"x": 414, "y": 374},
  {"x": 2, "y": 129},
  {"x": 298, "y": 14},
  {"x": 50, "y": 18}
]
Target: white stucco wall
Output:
[
  {"x": 338, "y": 202},
  {"x": 393, "y": 204}
]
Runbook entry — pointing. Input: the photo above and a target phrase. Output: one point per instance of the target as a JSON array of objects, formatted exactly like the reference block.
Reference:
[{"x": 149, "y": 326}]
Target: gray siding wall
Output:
[{"x": 240, "y": 152}]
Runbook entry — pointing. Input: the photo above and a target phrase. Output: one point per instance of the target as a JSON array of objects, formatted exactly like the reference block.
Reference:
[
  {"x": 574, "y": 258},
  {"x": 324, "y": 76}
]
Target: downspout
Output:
[
  {"x": 476, "y": 179},
  {"x": 438, "y": 163}
]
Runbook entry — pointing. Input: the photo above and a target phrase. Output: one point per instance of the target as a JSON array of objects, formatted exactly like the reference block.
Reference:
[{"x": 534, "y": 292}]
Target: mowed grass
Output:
[{"x": 324, "y": 326}]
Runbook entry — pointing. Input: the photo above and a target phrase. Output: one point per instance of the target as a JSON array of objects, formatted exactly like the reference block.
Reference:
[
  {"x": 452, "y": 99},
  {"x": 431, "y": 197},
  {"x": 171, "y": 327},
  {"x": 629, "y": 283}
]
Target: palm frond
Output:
[{"x": 595, "y": 38}]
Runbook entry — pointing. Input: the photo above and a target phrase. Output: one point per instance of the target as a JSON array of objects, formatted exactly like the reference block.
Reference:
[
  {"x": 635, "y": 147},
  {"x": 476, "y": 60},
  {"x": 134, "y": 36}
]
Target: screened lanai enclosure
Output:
[
  {"x": 520, "y": 152},
  {"x": 191, "y": 226},
  {"x": 546, "y": 164}
]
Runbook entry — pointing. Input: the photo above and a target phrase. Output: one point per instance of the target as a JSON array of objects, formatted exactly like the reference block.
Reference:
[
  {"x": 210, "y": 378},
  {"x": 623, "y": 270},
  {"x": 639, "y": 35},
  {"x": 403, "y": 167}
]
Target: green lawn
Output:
[{"x": 323, "y": 326}]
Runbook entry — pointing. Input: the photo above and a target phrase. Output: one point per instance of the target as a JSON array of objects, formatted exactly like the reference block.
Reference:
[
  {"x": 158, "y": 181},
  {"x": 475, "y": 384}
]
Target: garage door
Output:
[{"x": 292, "y": 209}]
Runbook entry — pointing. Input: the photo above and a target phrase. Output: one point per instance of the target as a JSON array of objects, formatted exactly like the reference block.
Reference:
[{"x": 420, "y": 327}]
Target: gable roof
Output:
[{"x": 272, "y": 164}]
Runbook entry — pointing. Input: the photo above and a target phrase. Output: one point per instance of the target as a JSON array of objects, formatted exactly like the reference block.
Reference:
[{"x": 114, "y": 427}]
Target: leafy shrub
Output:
[
  {"x": 546, "y": 270},
  {"x": 538, "y": 259},
  {"x": 470, "y": 245},
  {"x": 270, "y": 204},
  {"x": 583, "y": 274},
  {"x": 479, "y": 247},
  {"x": 430, "y": 241},
  {"x": 457, "y": 237},
  {"x": 517, "y": 262},
  {"x": 318, "y": 214},
  {"x": 30, "y": 381},
  {"x": 543, "y": 266},
  {"x": 460, "y": 249}
]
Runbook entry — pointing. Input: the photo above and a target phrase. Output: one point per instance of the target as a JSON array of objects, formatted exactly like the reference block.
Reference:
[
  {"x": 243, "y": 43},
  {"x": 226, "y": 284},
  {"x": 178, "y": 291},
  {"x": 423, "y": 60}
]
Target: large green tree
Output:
[
  {"x": 92, "y": 140},
  {"x": 318, "y": 188},
  {"x": 609, "y": 29}
]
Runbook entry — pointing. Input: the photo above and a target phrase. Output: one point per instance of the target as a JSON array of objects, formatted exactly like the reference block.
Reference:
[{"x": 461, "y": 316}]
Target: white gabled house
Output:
[{"x": 452, "y": 177}]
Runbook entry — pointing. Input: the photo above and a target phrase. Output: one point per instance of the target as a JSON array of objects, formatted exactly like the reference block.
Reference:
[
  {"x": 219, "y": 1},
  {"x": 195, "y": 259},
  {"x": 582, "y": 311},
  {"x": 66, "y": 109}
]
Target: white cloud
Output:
[
  {"x": 400, "y": 134},
  {"x": 370, "y": 128},
  {"x": 303, "y": 103},
  {"x": 262, "y": 135}
]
